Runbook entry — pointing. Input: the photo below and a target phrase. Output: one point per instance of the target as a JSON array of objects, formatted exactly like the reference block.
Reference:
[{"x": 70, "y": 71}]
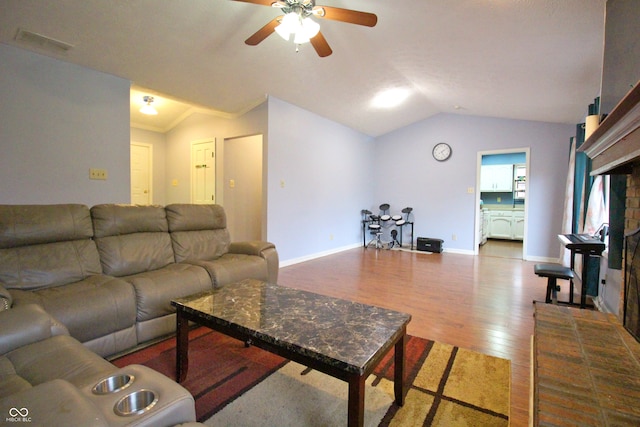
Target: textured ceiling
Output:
[{"x": 521, "y": 59}]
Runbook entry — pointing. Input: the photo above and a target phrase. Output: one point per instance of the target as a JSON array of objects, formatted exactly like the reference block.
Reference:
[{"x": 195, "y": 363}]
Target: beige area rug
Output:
[{"x": 449, "y": 386}]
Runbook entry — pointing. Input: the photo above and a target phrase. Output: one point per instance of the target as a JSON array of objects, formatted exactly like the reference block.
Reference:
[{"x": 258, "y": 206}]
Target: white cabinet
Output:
[
  {"x": 506, "y": 225},
  {"x": 518, "y": 225},
  {"x": 496, "y": 178},
  {"x": 500, "y": 224}
]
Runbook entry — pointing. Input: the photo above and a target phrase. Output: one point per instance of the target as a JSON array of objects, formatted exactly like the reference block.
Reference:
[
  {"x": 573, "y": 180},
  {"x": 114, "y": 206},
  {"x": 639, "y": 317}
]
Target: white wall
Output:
[
  {"x": 327, "y": 172},
  {"x": 57, "y": 120},
  {"x": 407, "y": 175}
]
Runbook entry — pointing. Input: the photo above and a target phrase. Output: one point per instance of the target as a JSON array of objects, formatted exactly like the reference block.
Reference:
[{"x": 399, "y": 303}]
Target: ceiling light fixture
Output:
[
  {"x": 390, "y": 98},
  {"x": 303, "y": 29},
  {"x": 147, "y": 108}
]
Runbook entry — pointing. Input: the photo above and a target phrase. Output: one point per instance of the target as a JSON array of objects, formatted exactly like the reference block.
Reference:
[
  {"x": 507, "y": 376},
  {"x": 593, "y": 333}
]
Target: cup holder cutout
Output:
[
  {"x": 136, "y": 403},
  {"x": 113, "y": 384}
]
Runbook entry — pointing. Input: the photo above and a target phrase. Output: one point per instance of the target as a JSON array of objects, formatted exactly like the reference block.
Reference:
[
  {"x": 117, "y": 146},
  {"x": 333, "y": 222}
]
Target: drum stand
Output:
[{"x": 394, "y": 242}]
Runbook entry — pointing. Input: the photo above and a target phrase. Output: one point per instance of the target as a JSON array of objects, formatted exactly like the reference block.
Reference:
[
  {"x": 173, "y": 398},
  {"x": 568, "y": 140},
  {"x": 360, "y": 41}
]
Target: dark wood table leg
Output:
[
  {"x": 356, "y": 401},
  {"x": 398, "y": 375},
  {"x": 182, "y": 347}
]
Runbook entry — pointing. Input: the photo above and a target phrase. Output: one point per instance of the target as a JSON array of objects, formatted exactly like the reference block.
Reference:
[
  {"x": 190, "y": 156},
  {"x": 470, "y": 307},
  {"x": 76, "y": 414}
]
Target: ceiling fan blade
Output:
[
  {"x": 263, "y": 32},
  {"x": 261, "y": 2},
  {"x": 346, "y": 15},
  {"x": 321, "y": 46}
]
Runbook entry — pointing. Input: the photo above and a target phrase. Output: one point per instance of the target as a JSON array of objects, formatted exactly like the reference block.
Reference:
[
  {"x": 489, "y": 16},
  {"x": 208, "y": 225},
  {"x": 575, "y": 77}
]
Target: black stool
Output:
[{"x": 553, "y": 272}]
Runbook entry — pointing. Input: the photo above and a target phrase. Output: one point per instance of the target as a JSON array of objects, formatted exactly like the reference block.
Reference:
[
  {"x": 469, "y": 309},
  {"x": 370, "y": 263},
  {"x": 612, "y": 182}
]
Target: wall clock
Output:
[{"x": 442, "y": 151}]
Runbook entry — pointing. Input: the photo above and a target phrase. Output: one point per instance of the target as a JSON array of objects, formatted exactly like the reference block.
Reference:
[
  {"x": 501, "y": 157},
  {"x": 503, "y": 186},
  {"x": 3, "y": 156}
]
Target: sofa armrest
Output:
[
  {"x": 5, "y": 298},
  {"x": 54, "y": 403},
  {"x": 262, "y": 249},
  {"x": 27, "y": 324},
  {"x": 254, "y": 247}
]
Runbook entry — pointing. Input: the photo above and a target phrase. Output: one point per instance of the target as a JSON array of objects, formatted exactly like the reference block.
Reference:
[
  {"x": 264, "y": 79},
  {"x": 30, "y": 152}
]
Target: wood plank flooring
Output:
[{"x": 482, "y": 303}]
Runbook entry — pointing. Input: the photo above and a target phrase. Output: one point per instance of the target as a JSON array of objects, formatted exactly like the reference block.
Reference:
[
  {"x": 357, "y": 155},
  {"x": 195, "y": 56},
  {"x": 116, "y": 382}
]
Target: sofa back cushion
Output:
[
  {"x": 131, "y": 239},
  {"x": 42, "y": 246},
  {"x": 198, "y": 232}
]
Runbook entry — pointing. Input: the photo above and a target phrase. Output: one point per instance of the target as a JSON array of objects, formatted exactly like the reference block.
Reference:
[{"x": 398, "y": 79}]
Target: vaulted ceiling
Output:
[{"x": 520, "y": 59}]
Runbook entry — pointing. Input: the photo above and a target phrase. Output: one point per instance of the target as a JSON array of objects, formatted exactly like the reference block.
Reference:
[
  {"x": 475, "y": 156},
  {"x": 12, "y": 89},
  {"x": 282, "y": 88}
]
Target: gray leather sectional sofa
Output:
[{"x": 78, "y": 285}]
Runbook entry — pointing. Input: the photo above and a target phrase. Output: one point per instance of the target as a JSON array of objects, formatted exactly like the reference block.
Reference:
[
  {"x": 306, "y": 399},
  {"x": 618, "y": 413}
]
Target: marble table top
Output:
[{"x": 341, "y": 333}]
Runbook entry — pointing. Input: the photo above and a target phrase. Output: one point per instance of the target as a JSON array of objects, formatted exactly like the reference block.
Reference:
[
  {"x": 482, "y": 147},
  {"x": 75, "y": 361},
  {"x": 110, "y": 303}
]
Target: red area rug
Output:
[{"x": 440, "y": 378}]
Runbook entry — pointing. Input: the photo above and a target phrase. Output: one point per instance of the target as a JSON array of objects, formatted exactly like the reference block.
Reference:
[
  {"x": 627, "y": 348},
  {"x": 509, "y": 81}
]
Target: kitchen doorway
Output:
[{"x": 503, "y": 178}]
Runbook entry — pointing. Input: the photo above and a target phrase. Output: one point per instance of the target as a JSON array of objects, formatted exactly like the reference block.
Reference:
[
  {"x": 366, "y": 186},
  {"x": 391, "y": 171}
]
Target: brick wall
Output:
[
  {"x": 631, "y": 221},
  {"x": 632, "y": 213}
]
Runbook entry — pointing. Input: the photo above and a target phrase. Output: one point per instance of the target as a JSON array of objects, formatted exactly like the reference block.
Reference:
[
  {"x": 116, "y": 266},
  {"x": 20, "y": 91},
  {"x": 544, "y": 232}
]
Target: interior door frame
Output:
[{"x": 527, "y": 153}]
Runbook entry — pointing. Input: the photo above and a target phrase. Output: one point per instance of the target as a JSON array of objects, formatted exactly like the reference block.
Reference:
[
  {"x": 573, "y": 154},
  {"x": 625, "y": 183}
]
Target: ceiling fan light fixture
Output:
[
  {"x": 148, "y": 108},
  {"x": 289, "y": 24},
  {"x": 302, "y": 29},
  {"x": 310, "y": 27}
]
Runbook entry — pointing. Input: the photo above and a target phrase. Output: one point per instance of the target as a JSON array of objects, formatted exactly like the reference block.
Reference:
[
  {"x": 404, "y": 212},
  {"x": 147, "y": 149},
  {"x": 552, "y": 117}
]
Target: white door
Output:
[
  {"x": 141, "y": 158},
  {"x": 203, "y": 172}
]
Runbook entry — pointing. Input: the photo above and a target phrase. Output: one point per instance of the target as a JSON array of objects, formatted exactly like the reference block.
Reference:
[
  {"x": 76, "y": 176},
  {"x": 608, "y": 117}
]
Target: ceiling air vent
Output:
[{"x": 42, "y": 42}]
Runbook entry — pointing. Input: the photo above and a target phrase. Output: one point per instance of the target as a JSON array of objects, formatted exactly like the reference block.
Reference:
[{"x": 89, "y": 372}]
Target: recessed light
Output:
[{"x": 390, "y": 98}]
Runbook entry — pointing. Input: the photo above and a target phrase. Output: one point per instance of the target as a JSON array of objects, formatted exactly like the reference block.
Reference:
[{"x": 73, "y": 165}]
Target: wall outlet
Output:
[
  {"x": 330, "y": 236},
  {"x": 95, "y": 173},
  {"x": 454, "y": 237}
]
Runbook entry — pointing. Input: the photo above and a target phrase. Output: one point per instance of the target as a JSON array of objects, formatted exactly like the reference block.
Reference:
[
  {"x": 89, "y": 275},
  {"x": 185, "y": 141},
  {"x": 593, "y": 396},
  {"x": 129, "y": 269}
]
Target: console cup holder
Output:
[
  {"x": 135, "y": 403},
  {"x": 113, "y": 384}
]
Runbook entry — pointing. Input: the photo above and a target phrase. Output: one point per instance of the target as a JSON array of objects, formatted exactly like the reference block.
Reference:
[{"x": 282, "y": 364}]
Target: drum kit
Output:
[{"x": 377, "y": 223}]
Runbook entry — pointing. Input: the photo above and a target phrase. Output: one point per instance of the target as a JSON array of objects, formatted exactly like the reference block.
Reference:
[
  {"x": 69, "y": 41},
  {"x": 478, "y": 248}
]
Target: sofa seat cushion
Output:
[
  {"x": 59, "y": 357},
  {"x": 91, "y": 308},
  {"x": 10, "y": 381},
  {"x": 155, "y": 289},
  {"x": 231, "y": 268}
]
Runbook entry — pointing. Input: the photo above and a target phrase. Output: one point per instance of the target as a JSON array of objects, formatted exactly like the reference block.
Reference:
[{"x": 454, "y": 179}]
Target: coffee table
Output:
[{"x": 340, "y": 338}]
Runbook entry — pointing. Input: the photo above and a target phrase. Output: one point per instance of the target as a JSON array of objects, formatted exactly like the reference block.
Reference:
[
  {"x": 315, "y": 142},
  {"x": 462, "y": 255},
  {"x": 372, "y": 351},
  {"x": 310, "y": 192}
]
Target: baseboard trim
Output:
[{"x": 310, "y": 257}]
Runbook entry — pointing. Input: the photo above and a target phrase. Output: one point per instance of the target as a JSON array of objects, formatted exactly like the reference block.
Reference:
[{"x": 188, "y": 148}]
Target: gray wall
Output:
[
  {"x": 58, "y": 120},
  {"x": 65, "y": 119},
  {"x": 408, "y": 175},
  {"x": 621, "y": 70},
  {"x": 328, "y": 175}
]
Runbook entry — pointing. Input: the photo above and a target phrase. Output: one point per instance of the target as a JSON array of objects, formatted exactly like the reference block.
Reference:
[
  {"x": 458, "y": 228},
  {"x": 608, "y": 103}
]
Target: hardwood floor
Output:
[
  {"x": 482, "y": 303},
  {"x": 502, "y": 248}
]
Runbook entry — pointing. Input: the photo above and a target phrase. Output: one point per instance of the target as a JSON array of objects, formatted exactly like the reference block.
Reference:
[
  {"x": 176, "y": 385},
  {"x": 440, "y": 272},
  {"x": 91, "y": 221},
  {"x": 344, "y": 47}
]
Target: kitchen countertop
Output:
[{"x": 503, "y": 207}]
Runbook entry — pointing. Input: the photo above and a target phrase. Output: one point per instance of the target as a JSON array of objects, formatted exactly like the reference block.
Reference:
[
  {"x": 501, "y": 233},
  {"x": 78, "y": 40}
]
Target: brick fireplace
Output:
[
  {"x": 585, "y": 364},
  {"x": 614, "y": 148}
]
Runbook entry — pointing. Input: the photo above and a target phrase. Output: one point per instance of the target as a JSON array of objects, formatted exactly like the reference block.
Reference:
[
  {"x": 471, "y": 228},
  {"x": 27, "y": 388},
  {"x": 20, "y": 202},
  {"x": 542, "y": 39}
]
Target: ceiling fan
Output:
[{"x": 297, "y": 22}]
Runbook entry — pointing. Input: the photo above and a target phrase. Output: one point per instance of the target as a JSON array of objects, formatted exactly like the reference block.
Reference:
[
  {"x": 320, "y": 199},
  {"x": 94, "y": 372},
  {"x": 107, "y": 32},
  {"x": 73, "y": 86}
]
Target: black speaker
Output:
[{"x": 429, "y": 245}]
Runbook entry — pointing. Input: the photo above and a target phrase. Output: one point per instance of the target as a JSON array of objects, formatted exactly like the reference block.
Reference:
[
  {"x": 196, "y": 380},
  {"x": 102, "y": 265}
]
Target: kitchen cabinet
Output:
[
  {"x": 496, "y": 178},
  {"x": 500, "y": 224},
  {"x": 518, "y": 225},
  {"x": 507, "y": 225}
]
